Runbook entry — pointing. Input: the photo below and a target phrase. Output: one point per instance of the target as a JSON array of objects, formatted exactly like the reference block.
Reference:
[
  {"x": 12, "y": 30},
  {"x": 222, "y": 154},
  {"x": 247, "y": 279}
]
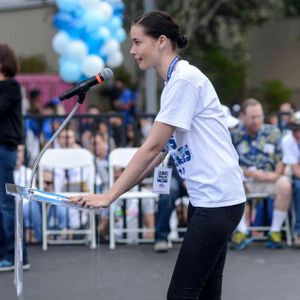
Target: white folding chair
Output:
[
  {"x": 119, "y": 158},
  {"x": 67, "y": 159},
  {"x": 252, "y": 199}
]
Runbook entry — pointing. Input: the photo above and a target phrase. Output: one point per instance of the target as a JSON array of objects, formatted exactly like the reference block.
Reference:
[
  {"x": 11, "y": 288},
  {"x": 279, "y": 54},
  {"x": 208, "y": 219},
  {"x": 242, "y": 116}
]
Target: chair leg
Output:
[
  {"x": 44, "y": 224},
  {"x": 93, "y": 230},
  {"x": 288, "y": 232},
  {"x": 112, "y": 243}
]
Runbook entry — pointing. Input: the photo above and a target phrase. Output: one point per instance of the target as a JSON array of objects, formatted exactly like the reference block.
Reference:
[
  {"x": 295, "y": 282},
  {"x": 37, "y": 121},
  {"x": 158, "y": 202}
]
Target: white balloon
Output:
[
  {"x": 105, "y": 8},
  {"x": 70, "y": 71},
  {"x": 111, "y": 45},
  {"x": 104, "y": 32},
  {"x": 60, "y": 42},
  {"x": 77, "y": 50},
  {"x": 115, "y": 60},
  {"x": 93, "y": 19},
  {"x": 114, "y": 2},
  {"x": 91, "y": 65},
  {"x": 88, "y": 4}
]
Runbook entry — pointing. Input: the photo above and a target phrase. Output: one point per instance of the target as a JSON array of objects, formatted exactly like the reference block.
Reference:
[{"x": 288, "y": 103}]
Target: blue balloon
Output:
[
  {"x": 62, "y": 59},
  {"x": 76, "y": 29},
  {"x": 78, "y": 13},
  {"x": 67, "y": 5},
  {"x": 119, "y": 9},
  {"x": 114, "y": 23},
  {"x": 104, "y": 58},
  {"x": 94, "y": 42},
  {"x": 89, "y": 25},
  {"x": 82, "y": 77},
  {"x": 103, "y": 54},
  {"x": 120, "y": 35},
  {"x": 70, "y": 71},
  {"x": 62, "y": 20}
]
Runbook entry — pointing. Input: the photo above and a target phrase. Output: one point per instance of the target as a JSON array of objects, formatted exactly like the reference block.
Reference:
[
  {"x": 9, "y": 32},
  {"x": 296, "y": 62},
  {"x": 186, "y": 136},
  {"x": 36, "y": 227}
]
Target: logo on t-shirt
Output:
[{"x": 180, "y": 155}]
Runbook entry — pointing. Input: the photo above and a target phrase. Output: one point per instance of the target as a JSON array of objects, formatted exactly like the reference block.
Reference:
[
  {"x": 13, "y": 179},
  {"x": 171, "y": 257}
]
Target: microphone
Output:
[{"x": 85, "y": 85}]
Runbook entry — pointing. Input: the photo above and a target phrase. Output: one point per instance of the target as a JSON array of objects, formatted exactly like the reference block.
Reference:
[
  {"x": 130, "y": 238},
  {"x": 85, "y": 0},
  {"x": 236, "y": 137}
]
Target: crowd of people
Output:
[{"x": 267, "y": 149}]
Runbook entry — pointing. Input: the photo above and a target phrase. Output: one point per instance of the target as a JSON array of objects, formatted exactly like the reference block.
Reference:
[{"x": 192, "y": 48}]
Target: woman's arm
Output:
[
  {"x": 156, "y": 161},
  {"x": 142, "y": 162}
]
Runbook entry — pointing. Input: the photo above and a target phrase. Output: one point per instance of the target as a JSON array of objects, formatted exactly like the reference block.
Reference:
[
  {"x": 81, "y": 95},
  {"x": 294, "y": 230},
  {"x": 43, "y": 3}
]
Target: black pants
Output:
[{"x": 199, "y": 268}]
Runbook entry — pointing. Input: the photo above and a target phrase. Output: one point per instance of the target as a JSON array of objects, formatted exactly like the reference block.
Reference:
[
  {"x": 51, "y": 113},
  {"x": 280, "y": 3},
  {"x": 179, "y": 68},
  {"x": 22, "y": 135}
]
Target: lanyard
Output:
[{"x": 171, "y": 67}]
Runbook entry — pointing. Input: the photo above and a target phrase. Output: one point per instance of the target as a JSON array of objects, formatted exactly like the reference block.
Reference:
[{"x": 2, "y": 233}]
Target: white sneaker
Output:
[
  {"x": 26, "y": 266},
  {"x": 297, "y": 241},
  {"x": 6, "y": 266},
  {"x": 161, "y": 246}
]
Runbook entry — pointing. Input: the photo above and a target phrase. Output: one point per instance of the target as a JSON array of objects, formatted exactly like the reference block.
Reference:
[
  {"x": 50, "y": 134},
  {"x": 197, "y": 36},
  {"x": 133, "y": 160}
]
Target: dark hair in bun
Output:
[
  {"x": 182, "y": 41},
  {"x": 157, "y": 23}
]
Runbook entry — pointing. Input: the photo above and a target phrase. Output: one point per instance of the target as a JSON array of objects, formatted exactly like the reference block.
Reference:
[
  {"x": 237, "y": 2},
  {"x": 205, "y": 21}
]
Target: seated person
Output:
[
  {"x": 94, "y": 123},
  {"x": 57, "y": 216},
  {"x": 31, "y": 209},
  {"x": 285, "y": 112},
  {"x": 132, "y": 214},
  {"x": 99, "y": 148},
  {"x": 71, "y": 180},
  {"x": 291, "y": 157},
  {"x": 260, "y": 155}
]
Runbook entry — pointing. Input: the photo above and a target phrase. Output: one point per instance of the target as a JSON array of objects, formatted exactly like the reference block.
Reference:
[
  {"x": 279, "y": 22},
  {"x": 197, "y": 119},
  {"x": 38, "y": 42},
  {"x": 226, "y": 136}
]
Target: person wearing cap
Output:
[
  {"x": 260, "y": 157},
  {"x": 291, "y": 157},
  {"x": 231, "y": 121}
]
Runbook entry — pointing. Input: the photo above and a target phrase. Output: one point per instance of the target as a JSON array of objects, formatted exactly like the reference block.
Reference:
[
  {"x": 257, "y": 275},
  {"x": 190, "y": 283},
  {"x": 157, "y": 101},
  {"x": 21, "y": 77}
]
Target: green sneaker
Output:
[
  {"x": 240, "y": 241},
  {"x": 274, "y": 240}
]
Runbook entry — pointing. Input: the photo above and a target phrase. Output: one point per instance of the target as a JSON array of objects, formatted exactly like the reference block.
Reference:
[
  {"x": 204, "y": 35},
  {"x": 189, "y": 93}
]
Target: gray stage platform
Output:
[{"x": 137, "y": 273}]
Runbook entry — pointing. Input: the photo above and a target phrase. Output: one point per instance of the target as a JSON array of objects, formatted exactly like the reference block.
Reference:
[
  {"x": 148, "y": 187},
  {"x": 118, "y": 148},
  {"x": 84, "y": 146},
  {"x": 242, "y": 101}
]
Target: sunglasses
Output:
[{"x": 48, "y": 182}]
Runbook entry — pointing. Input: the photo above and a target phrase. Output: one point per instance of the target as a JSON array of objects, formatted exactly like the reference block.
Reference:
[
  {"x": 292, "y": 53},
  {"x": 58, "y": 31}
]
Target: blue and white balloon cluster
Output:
[{"x": 88, "y": 38}]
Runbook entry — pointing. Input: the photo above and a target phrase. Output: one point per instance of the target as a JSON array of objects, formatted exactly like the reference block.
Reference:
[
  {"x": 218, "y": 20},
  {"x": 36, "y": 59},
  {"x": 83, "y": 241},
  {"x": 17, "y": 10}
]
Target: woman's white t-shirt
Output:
[{"x": 201, "y": 145}]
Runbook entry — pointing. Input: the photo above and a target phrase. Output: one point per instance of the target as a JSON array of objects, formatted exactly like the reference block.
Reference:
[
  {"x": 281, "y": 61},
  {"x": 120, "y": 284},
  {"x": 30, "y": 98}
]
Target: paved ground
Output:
[{"x": 137, "y": 273}]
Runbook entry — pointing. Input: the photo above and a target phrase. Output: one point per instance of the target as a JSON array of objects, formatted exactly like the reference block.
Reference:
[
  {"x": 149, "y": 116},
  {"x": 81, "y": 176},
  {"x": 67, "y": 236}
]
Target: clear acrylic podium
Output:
[{"x": 46, "y": 197}]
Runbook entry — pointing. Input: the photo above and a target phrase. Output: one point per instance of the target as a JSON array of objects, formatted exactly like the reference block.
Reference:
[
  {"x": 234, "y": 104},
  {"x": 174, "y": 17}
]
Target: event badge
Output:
[
  {"x": 269, "y": 148},
  {"x": 162, "y": 180}
]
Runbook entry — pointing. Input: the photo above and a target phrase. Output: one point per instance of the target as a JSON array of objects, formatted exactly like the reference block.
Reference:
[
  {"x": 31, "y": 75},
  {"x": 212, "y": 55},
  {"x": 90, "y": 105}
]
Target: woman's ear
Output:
[{"x": 162, "y": 42}]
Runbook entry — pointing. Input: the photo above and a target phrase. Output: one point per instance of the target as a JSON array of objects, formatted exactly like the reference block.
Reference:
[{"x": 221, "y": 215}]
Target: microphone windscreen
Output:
[{"x": 107, "y": 74}]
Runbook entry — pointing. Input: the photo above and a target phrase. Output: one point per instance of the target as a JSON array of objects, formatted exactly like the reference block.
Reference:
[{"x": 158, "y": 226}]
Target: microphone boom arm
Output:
[{"x": 57, "y": 132}]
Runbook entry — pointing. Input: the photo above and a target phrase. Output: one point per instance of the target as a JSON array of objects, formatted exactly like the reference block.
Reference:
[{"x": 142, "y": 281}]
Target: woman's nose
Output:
[{"x": 132, "y": 52}]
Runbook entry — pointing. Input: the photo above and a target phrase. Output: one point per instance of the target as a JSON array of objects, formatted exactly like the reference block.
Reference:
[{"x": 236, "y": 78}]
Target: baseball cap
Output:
[{"x": 231, "y": 121}]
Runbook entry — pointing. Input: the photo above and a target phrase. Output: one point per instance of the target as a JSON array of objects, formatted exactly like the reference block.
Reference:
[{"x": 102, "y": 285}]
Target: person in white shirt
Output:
[
  {"x": 291, "y": 157},
  {"x": 191, "y": 126}
]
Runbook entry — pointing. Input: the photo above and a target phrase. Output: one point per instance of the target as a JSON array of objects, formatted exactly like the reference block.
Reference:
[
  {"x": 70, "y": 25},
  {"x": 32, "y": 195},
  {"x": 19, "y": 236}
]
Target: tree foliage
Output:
[
  {"x": 33, "y": 64},
  {"x": 216, "y": 31},
  {"x": 274, "y": 93},
  {"x": 209, "y": 20}
]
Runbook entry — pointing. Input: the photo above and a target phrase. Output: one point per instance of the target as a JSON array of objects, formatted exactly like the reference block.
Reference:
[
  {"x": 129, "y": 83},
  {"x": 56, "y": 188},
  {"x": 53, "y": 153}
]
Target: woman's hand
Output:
[{"x": 91, "y": 200}]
